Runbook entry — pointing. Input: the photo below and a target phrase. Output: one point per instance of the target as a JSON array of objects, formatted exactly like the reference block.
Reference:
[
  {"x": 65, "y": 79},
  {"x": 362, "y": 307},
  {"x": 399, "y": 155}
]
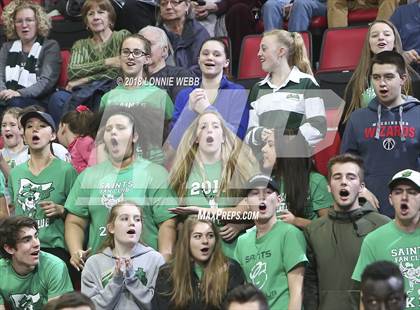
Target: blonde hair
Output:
[
  {"x": 359, "y": 81},
  {"x": 43, "y": 22},
  {"x": 297, "y": 53},
  {"x": 238, "y": 162},
  {"x": 214, "y": 283}
]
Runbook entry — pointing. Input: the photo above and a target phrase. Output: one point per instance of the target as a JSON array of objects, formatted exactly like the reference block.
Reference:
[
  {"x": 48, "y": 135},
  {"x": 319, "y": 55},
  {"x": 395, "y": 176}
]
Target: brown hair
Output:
[
  {"x": 83, "y": 123},
  {"x": 214, "y": 283},
  {"x": 102, "y": 4},
  {"x": 9, "y": 231},
  {"x": 346, "y": 158},
  {"x": 147, "y": 50},
  {"x": 359, "y": 81},
  {"x": 109, "y": 239}
]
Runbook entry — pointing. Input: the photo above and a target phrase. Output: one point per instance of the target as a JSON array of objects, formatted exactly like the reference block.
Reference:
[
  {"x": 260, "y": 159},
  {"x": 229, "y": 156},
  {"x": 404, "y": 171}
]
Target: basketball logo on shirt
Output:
[
  {"x": 388, "y": 144},
  {"x": 30, "y": 194},
  {"x": 258, "y": 274},
  {"x": 24, "y": 301}
]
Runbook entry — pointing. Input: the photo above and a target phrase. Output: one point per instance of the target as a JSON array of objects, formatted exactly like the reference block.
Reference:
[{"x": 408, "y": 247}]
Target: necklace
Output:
[{"x": 35, "y": 170}]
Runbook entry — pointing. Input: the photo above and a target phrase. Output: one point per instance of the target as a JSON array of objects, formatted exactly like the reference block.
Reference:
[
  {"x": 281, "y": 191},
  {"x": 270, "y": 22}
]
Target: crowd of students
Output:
[{"x": 152, "y": 203}]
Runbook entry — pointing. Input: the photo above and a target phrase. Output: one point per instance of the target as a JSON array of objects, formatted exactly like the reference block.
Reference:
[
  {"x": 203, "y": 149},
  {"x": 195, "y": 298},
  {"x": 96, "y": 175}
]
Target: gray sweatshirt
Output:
[
  {"x": 49, "y": 66},
  {"x": 133, "y": 291}
]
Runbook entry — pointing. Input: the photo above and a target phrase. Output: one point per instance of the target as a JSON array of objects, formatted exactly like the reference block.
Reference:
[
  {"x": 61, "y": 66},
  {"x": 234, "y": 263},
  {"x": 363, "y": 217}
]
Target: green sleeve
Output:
[
  {"x": 10, "y": 187},
  {"x": 294, "y": 248},
  {"x": 2, "y": 185},
  {"x": 70, "y": 178},
  {"x": 59, "y": 281},
  {"x": 320, "y": 196},
  {"x": 78, "y": 198},
  {"x": 169, "y": 107},
  {"x": 161, "y": 195},
  {"x": 104, "y": 101},
  {"x": 366, "y": 257},
  {"x": 237, "y": 254}
]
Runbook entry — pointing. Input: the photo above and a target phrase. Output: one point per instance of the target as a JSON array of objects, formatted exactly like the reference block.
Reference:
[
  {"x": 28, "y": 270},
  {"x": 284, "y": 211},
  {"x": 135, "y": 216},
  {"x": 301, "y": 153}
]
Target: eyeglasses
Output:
[
  {"x": 26, "y": 21},
  {"x": 172, "y": 2},
  {"x": 137, "y": 53}
]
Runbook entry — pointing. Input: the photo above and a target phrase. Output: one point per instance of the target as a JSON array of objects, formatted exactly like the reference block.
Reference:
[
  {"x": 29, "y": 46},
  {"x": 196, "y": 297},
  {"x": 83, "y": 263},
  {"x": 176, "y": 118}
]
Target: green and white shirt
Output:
[
  {"x": 48, "y": 280},
  {"x": 101, "y": 187},
  {"x": 295, "y": 106},
  {"x": 52, "y": 184}
]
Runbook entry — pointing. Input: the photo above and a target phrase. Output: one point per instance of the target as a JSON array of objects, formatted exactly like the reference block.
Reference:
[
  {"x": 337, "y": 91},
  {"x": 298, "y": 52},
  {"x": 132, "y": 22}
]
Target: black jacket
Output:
[{"x": 162, "y": 298}]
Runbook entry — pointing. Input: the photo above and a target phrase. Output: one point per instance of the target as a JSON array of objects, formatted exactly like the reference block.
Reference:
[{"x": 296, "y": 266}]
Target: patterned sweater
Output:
[{"x": 88, "y": 58}]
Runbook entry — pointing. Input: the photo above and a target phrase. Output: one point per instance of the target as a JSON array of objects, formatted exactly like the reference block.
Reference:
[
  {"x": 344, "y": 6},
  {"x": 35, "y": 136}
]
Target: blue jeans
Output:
[
  {"x": 57, "y": 103},
  {"x": 272, "y": 12},
  {"x": 302, "y": 13},
  {"x": 20, "y": 102}
]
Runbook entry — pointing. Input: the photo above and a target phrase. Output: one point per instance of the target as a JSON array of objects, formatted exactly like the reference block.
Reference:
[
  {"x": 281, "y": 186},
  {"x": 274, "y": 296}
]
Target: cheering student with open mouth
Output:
[
  {"x": 122, "y": 176},
  {"x": 123, "y": 274},
  {"x": 199, "y": 276}
]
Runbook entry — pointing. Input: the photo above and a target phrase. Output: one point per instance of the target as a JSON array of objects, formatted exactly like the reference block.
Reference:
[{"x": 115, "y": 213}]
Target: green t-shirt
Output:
[
  {"x": 392, "y": 244},
  {"x": 49, "y": 279},
  {"x": 2, "y": 185},
  {"x": 146, "y": 95},
  {"x": 99, "y": 188},
  {"x": 318, "y": 197},
  {"x": 27, "y": 190},
  {"x": 266, "y": 261},
  {"x": 203, "y": 187}
]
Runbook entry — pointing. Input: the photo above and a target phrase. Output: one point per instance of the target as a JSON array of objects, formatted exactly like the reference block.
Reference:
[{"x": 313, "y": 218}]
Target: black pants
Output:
[{"x": 137, "y": 15}]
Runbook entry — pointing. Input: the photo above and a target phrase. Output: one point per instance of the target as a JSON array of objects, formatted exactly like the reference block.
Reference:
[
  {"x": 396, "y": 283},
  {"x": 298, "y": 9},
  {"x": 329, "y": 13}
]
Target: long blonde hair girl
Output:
[
  {"x": 297, "y": 53},
  {"x": 238, "y": 162}
]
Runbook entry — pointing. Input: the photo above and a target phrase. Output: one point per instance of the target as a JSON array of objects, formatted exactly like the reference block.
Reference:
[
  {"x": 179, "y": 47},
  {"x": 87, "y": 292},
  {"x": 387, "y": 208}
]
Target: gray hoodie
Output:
[{"x": 133, "y": 291}]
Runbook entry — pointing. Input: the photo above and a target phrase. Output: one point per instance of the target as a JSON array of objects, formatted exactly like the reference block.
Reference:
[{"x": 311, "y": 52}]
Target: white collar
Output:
[{"x": 295, "y": 76}]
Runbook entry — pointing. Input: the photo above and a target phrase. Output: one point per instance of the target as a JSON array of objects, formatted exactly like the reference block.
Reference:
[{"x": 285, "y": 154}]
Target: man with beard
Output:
[
  {"x": 399, "y": 240},
  {"x": 334, "y": 241}
]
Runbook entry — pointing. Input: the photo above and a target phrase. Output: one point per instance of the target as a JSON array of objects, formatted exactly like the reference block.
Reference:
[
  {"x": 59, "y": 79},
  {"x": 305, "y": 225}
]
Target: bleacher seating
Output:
[
  {"x": 65, "y": 59},
  {"x": 249, "y": 64},
  {"x": 330, "y": 145},
  {"x": 340, "y": 55}
]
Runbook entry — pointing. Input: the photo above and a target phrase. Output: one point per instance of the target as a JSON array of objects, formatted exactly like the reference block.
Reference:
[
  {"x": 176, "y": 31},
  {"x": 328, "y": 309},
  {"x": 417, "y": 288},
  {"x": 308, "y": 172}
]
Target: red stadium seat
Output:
[
  {"x": 362, "y": 16},
  {"x": 249, "y": 64},
  {"x": 65, "y": 59},
  {"x": 330, "y": 146},
  {"x": 341, "y": 48}
]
